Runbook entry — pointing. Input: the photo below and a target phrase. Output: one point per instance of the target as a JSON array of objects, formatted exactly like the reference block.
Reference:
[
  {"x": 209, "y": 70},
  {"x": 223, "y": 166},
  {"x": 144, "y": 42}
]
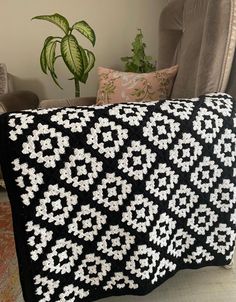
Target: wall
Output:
[{"x": 115, "y": 23}]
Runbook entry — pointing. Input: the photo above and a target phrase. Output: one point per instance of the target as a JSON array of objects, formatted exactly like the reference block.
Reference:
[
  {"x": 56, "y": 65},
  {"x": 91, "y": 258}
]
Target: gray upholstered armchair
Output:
[
  {"x": 13, "y": 101},
  {"x": 199, "y": 36}
]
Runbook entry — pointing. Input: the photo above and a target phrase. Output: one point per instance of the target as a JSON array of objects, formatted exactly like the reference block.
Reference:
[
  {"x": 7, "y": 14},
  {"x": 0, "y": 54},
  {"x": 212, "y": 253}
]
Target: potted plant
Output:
[{"x": 139, "y": 62}]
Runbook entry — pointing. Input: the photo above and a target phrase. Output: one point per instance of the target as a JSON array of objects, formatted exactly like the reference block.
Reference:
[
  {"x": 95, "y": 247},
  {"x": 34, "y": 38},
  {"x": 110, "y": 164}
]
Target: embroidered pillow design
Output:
[{"x": 119, "y": 87}]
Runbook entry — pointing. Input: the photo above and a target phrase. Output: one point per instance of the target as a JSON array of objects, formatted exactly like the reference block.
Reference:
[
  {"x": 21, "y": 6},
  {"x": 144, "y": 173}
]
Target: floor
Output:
[
  {"x": 205, "y": 285},
  {"x": 3, "y": 195}
]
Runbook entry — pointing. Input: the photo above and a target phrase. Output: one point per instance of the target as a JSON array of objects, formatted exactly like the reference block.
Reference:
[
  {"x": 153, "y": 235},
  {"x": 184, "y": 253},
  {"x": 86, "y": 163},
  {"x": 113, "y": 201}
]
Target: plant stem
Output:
[{"x": 77, "y": 88}]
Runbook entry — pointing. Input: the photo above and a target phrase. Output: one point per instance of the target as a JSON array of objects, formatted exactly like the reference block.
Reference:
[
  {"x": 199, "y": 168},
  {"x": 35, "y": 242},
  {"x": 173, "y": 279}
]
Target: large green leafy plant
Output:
[
  {"x": 78, "y": 59},
  {"x": 139, "y": 62}
]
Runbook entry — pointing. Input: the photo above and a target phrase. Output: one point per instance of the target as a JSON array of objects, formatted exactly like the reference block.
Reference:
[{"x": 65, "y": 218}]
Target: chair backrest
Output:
[
  {"x": 199, "y": 36},
  {"x": 3, "y": 79}
]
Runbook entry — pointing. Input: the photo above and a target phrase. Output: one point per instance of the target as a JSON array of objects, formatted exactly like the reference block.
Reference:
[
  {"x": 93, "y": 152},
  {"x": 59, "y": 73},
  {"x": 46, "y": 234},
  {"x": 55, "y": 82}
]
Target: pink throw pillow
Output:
[{"x": 120, "y": 87}]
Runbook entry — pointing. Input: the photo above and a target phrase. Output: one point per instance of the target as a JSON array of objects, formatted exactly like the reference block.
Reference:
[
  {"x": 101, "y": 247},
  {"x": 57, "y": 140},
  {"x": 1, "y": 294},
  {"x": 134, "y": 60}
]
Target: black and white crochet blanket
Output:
[{"x": 114, "y": 200}]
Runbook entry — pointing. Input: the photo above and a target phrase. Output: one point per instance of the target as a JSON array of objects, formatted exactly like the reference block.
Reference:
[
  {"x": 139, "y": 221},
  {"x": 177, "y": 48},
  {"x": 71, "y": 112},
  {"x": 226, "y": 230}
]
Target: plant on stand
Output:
[{"x": 78, "y": 60}]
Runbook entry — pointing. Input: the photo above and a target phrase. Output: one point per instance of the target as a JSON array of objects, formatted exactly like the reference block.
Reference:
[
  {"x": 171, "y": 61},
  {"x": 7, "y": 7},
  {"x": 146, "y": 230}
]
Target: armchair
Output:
[{"x": 13, "y": 101}]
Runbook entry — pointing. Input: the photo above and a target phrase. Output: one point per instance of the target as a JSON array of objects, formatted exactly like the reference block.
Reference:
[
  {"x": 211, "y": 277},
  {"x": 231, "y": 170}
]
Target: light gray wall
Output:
[{"x": 115, "y": 23}]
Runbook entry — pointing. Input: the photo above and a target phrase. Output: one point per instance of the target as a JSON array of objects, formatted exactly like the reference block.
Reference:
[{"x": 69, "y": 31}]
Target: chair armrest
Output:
[
  {"x": 16, "y": 101},
  {"x": 82, "y": 101}
]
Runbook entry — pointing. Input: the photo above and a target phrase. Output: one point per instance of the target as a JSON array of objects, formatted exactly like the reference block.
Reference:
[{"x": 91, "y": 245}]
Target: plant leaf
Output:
[
  {"x": 56, "y": 19},
  {"x": 49, "y": 39},
  {"x": 84, "y": 78},
  {"x": 50, "y": 54},
  {"x": 91, "y": 61},
  {"x": 85, "y": 64},
  {"x": 72, "y": 56},
  {"x": 86, "y": 30},
  {"x": 54, "y": 77},
  {"x": 88, "y": 62},
  {"x": 43, "y": 60}
]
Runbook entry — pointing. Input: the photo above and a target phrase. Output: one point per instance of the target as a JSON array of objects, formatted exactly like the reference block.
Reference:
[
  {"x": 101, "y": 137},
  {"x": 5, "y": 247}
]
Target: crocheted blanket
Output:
[{"x": 116, "y": 199}]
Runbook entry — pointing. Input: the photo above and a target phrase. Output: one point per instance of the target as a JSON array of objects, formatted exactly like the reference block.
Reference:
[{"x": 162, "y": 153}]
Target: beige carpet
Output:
[{"x": 205, "y": 285}]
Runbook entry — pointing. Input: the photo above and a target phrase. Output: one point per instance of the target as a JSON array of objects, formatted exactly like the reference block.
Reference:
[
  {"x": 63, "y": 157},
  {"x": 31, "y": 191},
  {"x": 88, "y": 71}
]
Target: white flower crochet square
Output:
[
  {"x": 71, "y": 293},
  {"x": 164, "y": 267},
  {"x": 180, "y": 243},
  {"x": 198, "y": 256},
  {"x": 224, "y": 197},
  {"x": 92, "y": 270},
  {"x": 206, "y": 174},
  {"x": 112, "y": 192},
  {"x": 19, "y": 123},
  {"x": 45, "y": 288},
  {"x": 202, "y": 219},
  {"x": 223, "y": 105},
  {"x": 62, "y": 257},
  {"x": 38, "y": 240},
  {"x": 207, "y": 125},
  {"x": 143, "y": 262},
  {"x": 120, "y": 281},
  {"x": 161, "y": 130},
  {"x": 140, "y": 213},
  {"x": 162, "y": 181},
  {"x": 45, "y": 145},
  {"x": 29, "y": 180},
  {"x": 74, "y": 119},
  {"x": 131, "y": 114},
  {"x": 183, "y": 201},
  {"x": 56, "y": 205},
  {"x": 137, "y": 160},
  {"x": 181, "y": 109},
  {"x": 107, "y": 137},
  {"x": 222, "y": 240},
  {"x": 163, "y": 230},
  {"x": 87, "y": 223},
  {"x": 186, "y": 152},
  {"x": 116, "y": 242},
  {"x": 81, "y": 170},
  {"x": 225, "y": 149}
]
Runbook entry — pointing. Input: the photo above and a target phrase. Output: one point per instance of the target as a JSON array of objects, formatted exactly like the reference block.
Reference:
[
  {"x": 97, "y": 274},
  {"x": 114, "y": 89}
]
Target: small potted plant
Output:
[{"x": 139, "y": 62}]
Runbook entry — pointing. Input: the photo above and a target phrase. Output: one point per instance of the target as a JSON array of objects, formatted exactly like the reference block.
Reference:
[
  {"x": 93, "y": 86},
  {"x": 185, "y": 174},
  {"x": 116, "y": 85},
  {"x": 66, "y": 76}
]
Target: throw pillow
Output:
[{"x": 119, "y": 87}]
